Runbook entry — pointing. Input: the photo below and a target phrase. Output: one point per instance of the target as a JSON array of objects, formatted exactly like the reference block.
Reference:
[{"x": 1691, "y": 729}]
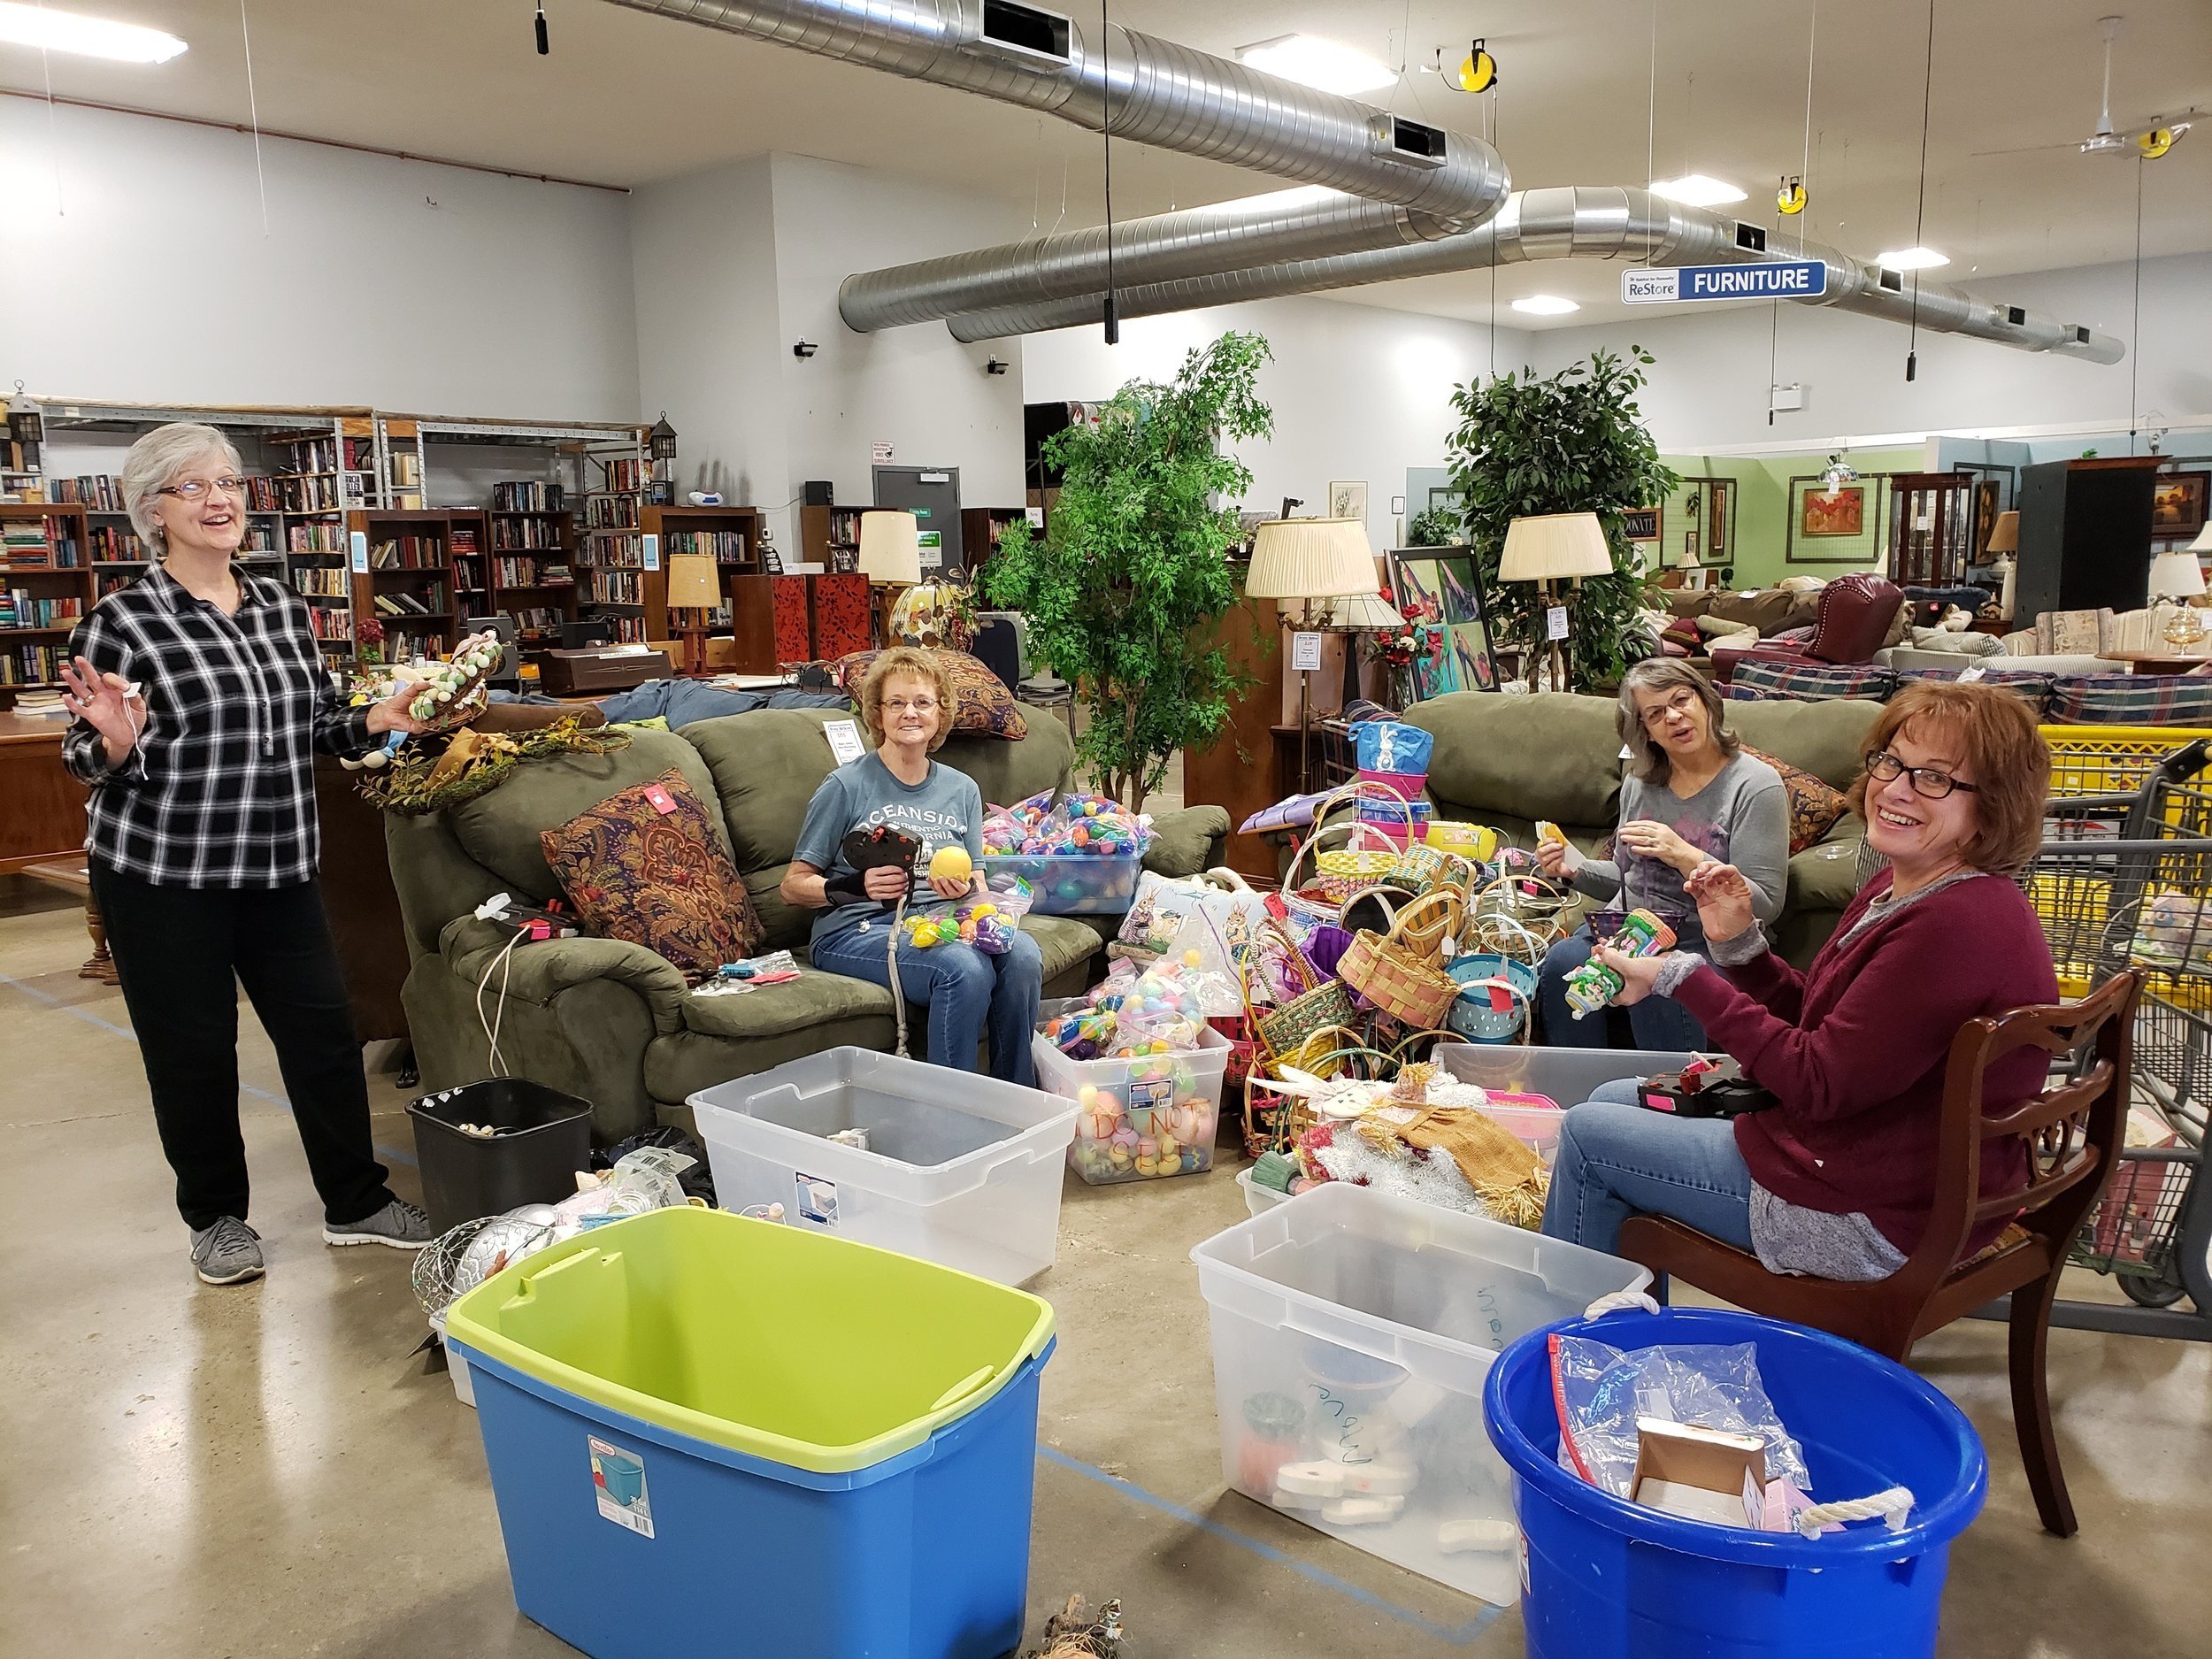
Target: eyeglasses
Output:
[
  {"x": 1882, "y": 766},
  {"x": 900, "y": 705},
  {"x": 1681, "y": 703},
  {"x": 194, "y": 489}
]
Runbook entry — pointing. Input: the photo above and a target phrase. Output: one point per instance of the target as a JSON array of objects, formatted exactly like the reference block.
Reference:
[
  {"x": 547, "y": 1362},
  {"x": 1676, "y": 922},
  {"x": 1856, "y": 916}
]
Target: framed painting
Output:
[
  {"x": 1441, "y": 585},
  {"x": 1347, "y": 498},
  {"x": 2178, "y": 504},
  {"x": 1839, "y": 511},
  {"x": 1843, "y": 525}
]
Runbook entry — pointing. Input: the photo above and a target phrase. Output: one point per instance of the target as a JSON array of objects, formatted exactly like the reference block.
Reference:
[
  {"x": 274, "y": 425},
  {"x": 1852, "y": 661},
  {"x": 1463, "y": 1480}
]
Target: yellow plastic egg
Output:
[{"x": 952, "y": 863}]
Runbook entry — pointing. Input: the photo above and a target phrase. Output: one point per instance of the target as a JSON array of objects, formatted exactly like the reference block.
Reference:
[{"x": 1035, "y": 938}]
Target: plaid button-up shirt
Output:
[{"x": 220, "y": 789}]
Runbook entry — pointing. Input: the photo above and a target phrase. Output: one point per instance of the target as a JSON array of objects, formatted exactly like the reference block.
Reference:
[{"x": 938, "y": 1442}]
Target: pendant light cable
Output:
[
  {"x": 1805, "y": 166},
  {"x": 2135, "y": 320},
  {"x": 1920, "y": 212},
  {"x": 1106, "y": 136},
  {"x": 53, "y": 134},
  {"x": 253, "y": 114},
  {"x": 1651, "y": 125}
]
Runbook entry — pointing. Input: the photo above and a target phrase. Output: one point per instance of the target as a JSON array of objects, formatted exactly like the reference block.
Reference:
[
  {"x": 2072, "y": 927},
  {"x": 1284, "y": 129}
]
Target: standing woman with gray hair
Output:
[{"x": 199, "y": 693}]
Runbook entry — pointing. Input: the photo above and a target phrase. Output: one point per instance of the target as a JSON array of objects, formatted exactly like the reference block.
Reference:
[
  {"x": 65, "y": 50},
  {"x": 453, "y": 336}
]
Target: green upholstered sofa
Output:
[
  {"x": 1508, "y": 761},
  {"x": 611, "y": 1022}
]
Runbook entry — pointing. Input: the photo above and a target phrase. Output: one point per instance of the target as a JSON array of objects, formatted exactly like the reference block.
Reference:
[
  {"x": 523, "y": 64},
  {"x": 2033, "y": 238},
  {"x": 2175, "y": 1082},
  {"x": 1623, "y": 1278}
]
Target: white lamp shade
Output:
[
  {"x": 891, "y": 548},
  {"x": 1555, "y": 545},
  {"x": 1368, "y": 611},
  {"x": 1311, "y": 558},
  {"x": 694, "y": 581},
  {"x": 2203, "y": 543},
  {"x": 2176, "y": 574},
  {"x": 1685, "y": 557}
]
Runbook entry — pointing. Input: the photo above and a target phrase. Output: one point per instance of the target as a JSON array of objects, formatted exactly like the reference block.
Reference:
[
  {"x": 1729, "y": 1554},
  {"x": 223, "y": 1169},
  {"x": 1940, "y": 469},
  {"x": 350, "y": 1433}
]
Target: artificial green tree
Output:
[
  {"x": 1573, "y": 441},
  {"x": 1127, "y": 589}
]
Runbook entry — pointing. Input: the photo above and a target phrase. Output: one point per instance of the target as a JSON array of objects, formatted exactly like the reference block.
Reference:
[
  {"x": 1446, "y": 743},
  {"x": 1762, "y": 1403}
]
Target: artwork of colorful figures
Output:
[{"x": 1440, "y": 585}]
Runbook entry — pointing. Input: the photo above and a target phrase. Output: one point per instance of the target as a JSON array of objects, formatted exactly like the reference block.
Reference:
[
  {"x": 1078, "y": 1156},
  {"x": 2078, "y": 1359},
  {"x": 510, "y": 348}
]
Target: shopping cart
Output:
[{"x": 2124, "y": 879}]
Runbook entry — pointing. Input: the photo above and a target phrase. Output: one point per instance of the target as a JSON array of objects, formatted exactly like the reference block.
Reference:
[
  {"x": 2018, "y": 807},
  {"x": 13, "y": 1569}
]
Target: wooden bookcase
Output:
[
  {"x": 980, "y": 528},
  {"x": 827, "y": 533},
  {"x": 731, "y": 536},
  {"x": 30, "y": 650},
  {"x": 411, "y": 553},
  {"x": 526, "y": 572}
]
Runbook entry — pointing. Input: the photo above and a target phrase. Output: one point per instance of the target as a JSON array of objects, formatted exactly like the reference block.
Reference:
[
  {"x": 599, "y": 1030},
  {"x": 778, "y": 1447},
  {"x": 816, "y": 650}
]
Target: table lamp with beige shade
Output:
[
  {"x": 1553, "y": 546},
  {"x": 1355, "y": 614},
  {"x": 891, "y": 559},
  {"x": 695, "y": 591},
  {"x": 2004, "y": 551},
  {"x": 1310, "y": 559},
  {"x": 2175, "y": 574}
]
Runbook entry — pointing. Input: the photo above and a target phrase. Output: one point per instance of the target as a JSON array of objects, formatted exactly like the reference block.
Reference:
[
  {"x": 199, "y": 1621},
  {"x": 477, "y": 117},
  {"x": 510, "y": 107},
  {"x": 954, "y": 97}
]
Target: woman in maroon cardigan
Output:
[{"x": 1837, "y": 1178}]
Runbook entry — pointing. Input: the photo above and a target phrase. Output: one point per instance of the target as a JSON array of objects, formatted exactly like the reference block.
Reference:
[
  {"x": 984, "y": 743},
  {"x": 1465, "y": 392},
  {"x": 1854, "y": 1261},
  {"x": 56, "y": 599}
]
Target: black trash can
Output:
[{"x": 543, "y": 1139}]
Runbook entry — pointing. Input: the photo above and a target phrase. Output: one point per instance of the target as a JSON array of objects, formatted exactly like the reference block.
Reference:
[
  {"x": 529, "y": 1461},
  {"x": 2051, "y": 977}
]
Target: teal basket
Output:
[{"x": 1475, "y": 1014}]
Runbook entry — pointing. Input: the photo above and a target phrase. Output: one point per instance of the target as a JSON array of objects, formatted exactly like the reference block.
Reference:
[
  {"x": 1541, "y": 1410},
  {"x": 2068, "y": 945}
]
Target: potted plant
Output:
[
  {"x": 1127, "y": 588},
  {"x": 1573, "y": 441}
]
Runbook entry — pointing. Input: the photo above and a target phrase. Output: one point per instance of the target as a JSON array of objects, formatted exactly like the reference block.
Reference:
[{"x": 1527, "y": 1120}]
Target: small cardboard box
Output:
[{"x": 1704, "y": 1474}]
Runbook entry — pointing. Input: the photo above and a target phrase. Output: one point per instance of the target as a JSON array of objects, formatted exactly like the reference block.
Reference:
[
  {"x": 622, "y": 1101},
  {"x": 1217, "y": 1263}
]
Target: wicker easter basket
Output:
[{"x": 1401, "y": 972}]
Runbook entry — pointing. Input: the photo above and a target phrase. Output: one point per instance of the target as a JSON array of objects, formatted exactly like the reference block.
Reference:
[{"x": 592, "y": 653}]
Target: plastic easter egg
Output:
[
  {"x": 952, "y": 863},
  {"x": 1088, "y": 1095}
]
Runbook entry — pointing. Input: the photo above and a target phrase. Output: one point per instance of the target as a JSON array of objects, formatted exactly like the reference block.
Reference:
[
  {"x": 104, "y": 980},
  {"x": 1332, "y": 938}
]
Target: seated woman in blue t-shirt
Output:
[{"x": 907, "y": 700}]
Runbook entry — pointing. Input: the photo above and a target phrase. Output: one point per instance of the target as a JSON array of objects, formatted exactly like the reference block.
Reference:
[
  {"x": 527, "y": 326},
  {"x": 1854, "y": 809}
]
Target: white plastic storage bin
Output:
[
  {"x": 1351, "y": 1333},
  {"x": 1141, "y": 1105},
  {"x": 959, "y": 1169},
  {"x": 1258, "y": 1199},
  {"x": 1566, "y": 1076}
]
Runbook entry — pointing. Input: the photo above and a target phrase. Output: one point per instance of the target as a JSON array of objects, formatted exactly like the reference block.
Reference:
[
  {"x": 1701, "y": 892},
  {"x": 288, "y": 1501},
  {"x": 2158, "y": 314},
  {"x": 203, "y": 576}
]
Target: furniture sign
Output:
[{"x": 1792, "y": 280}]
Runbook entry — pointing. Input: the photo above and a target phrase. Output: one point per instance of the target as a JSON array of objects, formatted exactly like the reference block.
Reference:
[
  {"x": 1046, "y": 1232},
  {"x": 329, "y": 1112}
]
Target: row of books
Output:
[
  {"x": 322, "y": 495},
  {"x": 408, "y": 553},
  {"x": 322, "y": 581},
  {"x": 323, "y": 454},
  {"x": 111, "y": 544},
  {"x": 627, "y": 630},
  {"x": 20, "y": 609},
  {"x": 36, "y": 544},
  {"x": 406, "y": 469},
  {"x": 612, "y": 513},
  {"x": 317, "y": 538},
  {"x": 617, "y": 587},
  {"x": 32, "y": 665},
  {"x": 531, "y": 533},
  {"x": 99, "y": 492},
  {"x": 403, "y": 603},
  {"x": 631, "y": 476},
  {"x": 331, "y": 624},
  {"x": 464, "y": 538},
  {"x": 726, "y": 546},
  {"x": 536, "y": 623},
  {"x": 521, "y": 572},
  {"x": 114, "y": 582},
  {"x": 401, "y": 646},
  {"x": 527, "y": 496},
  {"x": 616, "y": 553}
]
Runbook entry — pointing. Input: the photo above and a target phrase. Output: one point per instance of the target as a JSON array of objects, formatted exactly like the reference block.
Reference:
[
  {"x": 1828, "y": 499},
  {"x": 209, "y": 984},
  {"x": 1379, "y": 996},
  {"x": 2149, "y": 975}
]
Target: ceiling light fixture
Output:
[
  {"x": 1546, "y": 306},
  {"x": 1911, "y": 259},
  {"x": 1694, "y": 189},
  {"x": 1322, "y": 65},
  {"x": 90, "y": 37}
]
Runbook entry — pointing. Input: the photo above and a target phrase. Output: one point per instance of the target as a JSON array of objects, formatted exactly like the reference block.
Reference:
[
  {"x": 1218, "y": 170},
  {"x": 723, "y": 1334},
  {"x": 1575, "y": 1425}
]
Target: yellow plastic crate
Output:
[{"x": 2109, "y": 759}]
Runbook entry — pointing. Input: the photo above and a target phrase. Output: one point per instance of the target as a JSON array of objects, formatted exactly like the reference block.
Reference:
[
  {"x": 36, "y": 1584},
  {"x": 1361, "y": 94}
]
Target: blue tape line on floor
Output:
[
  {"x": 128, "y": 1035},
  {"x": 1457, "y": 1635}
]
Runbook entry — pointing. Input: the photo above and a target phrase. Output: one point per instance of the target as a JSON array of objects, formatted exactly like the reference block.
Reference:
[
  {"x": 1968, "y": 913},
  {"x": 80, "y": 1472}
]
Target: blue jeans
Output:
[
  {"x": 1616, "y": 1159},
  {"x": 963, "y": 990},
  {"x": 1660, "y": 1023}
]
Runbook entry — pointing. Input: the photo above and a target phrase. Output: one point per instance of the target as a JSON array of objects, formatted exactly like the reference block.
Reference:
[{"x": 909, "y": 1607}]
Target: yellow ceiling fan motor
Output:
[
  {"x": 1479, "y": 73},
  {"x": 2156, "y": 142},
  {"x": 1791, "y": 197}
]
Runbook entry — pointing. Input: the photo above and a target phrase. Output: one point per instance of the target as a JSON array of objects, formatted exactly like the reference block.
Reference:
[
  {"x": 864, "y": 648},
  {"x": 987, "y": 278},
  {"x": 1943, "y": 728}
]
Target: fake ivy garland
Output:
[{"x": 419, "y": 783}]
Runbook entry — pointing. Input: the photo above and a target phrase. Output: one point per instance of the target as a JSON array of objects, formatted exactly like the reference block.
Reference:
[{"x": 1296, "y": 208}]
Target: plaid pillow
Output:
[
  {"x": 1815, "y": 682},
  {"x": 1814, "y": 806},
  {"x": 2032, "y": 687},
  {"x": 2131, "y": 699}
]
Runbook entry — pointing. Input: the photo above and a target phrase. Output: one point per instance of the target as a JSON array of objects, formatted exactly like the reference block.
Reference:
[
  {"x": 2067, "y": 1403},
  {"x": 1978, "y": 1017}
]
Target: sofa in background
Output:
[
  {"x": 614, "y": 1024},
  {"x": 1507, "y": 761}
]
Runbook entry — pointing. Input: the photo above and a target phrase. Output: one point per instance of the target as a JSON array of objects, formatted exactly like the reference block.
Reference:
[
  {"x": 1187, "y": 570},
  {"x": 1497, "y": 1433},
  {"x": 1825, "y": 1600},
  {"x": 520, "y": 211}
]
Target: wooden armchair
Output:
[{"x": 2073, "y": 1130}]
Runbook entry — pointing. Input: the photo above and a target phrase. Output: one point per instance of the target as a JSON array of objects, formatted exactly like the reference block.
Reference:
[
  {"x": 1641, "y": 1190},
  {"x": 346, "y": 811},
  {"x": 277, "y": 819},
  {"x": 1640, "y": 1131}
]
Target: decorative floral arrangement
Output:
[
  {"x": 368, "y": 640},
  {"x": 1419, "y": 637}
]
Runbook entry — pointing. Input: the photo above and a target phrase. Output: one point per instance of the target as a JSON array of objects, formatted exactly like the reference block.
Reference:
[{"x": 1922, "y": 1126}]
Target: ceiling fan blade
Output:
[{"x": 2027, "y": 149}]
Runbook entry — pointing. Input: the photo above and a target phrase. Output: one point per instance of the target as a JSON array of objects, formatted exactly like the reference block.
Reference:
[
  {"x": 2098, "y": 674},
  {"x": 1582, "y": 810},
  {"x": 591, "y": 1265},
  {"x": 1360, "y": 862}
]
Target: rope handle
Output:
[
  {"x": 1621, "y": 1302},
  {"x": 1891, "y": 1506}
]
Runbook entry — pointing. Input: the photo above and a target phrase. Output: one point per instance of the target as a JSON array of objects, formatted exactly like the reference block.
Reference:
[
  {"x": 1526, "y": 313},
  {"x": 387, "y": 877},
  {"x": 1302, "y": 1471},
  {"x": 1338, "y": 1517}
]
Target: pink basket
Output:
[{"x": 1399, "y": 816}]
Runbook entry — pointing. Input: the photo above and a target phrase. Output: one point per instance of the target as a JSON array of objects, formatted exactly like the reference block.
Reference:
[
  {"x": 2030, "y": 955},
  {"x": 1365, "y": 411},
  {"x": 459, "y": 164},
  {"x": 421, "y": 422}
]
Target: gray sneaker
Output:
[
  {"x": 399, "y": 1223},
  {"x": 227, "y": 1253}
]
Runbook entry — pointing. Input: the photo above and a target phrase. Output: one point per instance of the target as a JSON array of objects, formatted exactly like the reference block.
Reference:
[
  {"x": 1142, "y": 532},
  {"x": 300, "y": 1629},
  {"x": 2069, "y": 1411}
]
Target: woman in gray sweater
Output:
[{"x": 1691, "y": 795}]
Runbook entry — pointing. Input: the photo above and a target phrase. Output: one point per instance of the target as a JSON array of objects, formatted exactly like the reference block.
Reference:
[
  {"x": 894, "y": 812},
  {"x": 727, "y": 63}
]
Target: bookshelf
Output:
[
  {"x": 45, "y": 588},
  {"x": 528, "y": 570},
  {"x": 610, "y": 573},
  {"x": 980, "y": 530},
  {"x": 830, "y": 537},
  {"x": 730, "y": 535},
  {"x": 408, "y": 585}
]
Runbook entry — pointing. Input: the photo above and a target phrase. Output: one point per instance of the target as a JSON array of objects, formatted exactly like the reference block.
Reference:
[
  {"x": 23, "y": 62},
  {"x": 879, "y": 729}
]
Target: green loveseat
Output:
[
  {"x": 613, "y": 1023},
  {"x": 1508, "y": 761}
]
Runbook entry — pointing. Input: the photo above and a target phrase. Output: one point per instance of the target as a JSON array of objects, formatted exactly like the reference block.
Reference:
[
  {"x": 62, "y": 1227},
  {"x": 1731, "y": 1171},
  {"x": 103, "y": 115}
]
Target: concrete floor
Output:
[{"x": 266, "y": 1471}]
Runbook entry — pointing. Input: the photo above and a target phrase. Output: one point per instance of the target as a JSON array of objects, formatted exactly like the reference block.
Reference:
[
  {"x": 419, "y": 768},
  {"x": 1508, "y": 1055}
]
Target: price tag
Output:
[
  {"x": 1305, "y": 652},
  {"x": 651, "y": 546},
  {"x": 1036, "y": 517},
  {"x": 1969, "y": 673},
  {"x": 930, "y": 544},
  {"x": 1556, "y": 623},
  {"x": 844, "y": 741},
  {"x": 360, "y": 543},
  {"x": 662, "y": 802}
]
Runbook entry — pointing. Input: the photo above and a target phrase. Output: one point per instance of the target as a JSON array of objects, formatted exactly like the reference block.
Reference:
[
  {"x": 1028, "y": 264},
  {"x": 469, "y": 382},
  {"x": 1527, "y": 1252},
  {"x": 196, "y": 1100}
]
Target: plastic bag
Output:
[
  {"x": 1394, "y": 746},
  {"x": 1601, "y": 1391},
  {"x": 986, "y": 921},
  {"x": 1162, "y": 904}
]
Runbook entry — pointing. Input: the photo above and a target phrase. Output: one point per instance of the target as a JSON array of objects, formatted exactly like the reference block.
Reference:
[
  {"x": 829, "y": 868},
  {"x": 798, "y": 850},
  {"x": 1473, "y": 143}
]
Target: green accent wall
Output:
[{"x": 1762, "y": 487}]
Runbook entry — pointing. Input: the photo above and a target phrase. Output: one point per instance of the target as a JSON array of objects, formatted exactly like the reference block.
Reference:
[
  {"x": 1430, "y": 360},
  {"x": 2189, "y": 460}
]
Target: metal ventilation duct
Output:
[
  {"x": 1156, "y": 91},
  {"x": 1579, "y": 222},
  {"x": 1305, "y": 223}
]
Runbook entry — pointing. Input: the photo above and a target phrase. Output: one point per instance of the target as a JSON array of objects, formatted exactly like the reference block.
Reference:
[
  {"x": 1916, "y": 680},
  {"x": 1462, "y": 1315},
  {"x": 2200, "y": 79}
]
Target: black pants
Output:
[{"x": 176, "y": 950}]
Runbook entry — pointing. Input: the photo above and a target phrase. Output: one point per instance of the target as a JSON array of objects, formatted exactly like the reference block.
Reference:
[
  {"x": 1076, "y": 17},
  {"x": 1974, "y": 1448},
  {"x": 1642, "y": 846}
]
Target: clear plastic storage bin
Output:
[
  {"x": 1070, "y": 883},
  {"x": 1352, "y": 1332},
  {"x": 1151, "y": 1116},
  {"x": 958, "y": 1169},
  {"x": 1566, "y": 1076}
]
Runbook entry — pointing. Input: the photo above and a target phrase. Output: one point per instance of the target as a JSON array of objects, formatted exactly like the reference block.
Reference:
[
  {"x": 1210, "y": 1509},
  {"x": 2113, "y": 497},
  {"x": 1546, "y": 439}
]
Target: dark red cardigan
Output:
[{"x": 1855, "y": 1049}]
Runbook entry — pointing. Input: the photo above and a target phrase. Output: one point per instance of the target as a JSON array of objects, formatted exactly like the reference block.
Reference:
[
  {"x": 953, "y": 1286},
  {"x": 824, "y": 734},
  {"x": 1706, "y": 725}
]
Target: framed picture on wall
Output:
[
  {"x": 1443, "y": 587},
  {"x": 1347, "y": 499},
  {"x": 2178, "y": 504},
  {"x": 1838, "y": 511},
  {"x": 1843, "y": 525},
  {"x": 1641, "y": 524}
]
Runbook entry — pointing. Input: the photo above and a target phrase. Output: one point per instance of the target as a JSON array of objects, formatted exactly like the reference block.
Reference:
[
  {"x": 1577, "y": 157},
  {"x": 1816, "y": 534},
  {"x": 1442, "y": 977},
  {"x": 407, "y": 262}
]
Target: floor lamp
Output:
[
  {"x": 890, "y": 558},
  {"x": 1554, "y": 547},
  {"x": 1307, "y": 559},
  {"x": 695, "y": 589}
]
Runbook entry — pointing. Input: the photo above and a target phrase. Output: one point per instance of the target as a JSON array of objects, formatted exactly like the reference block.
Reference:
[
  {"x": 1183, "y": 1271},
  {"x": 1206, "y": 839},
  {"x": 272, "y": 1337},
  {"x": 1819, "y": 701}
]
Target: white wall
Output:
[
  {"x": 1708, "y": 387},
  {"x": 404, "y": 285},
  {"x": 1358, "y": 392}
]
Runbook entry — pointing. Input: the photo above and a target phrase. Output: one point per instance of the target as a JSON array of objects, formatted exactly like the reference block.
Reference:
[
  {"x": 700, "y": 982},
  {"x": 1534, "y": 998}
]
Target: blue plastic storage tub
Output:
[
  {"x": 891, "y": 1404},
  {"x": 1603, "y": 1579},
  {"x": 1070, "y": 883}
]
